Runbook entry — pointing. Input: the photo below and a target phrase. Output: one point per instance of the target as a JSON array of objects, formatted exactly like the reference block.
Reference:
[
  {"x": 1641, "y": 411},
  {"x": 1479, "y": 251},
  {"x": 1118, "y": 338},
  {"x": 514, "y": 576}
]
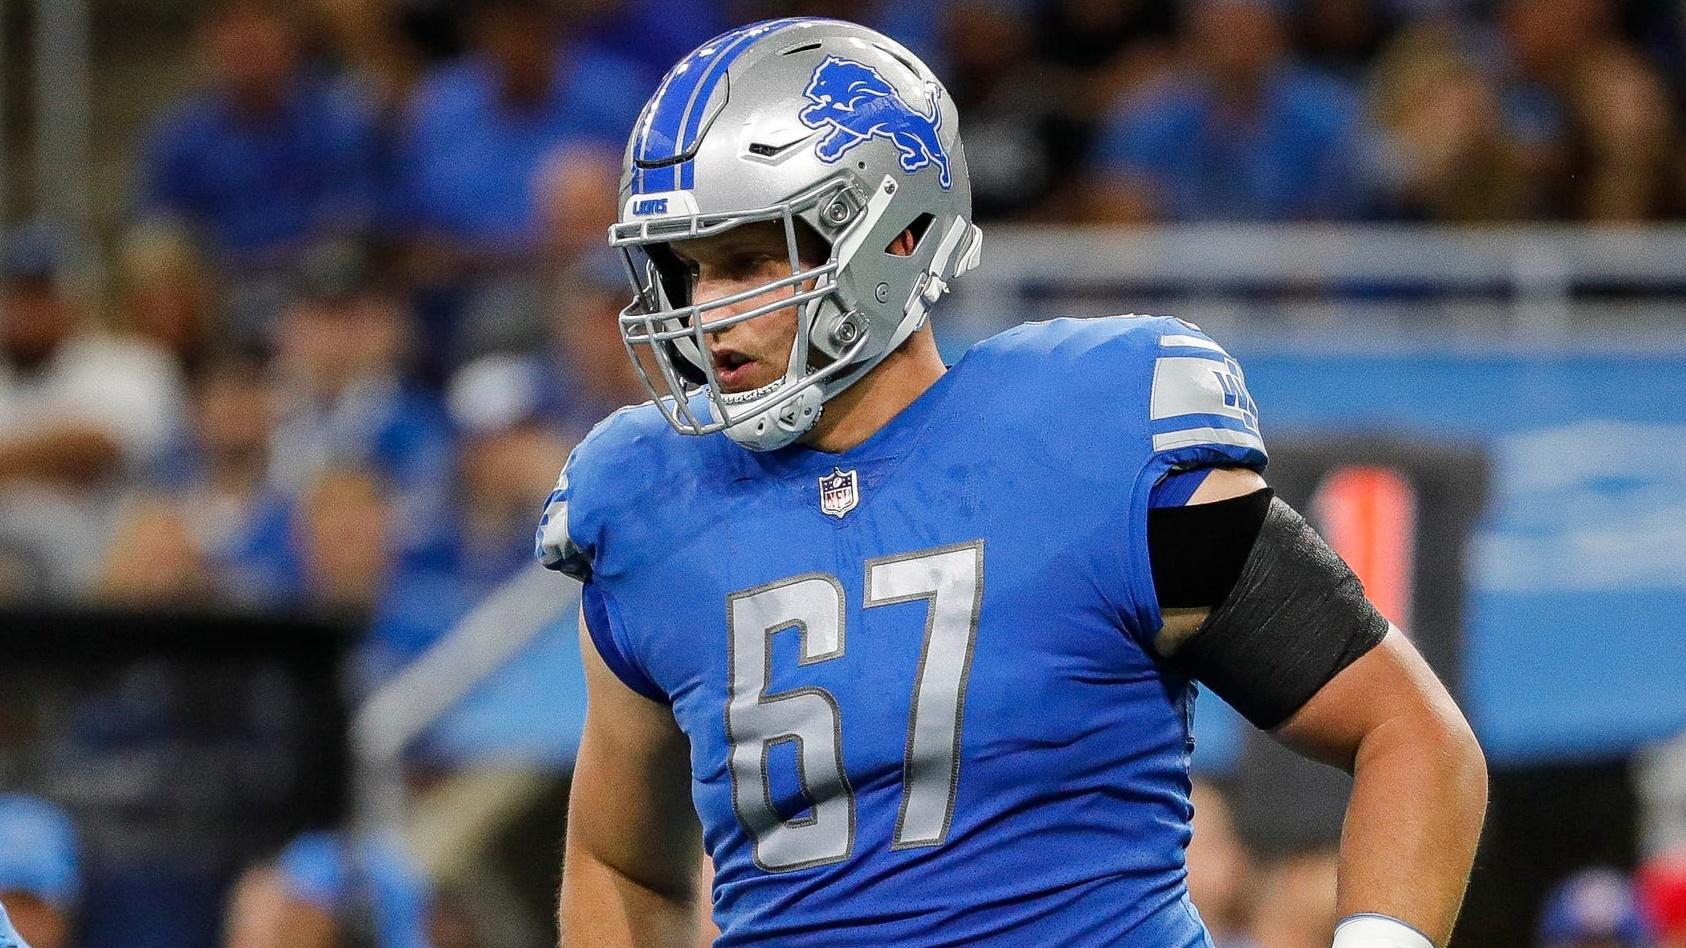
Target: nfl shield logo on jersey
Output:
[{"x": 839, "y": 492}]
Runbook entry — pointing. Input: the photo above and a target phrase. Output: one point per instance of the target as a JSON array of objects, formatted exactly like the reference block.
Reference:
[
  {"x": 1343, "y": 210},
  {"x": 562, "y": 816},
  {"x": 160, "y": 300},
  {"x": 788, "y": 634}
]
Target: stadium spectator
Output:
[
  {"x": 344, "y": 399},
  {"x": 364, "y": 41},
  {"x": 1534, "y": 55},
  {"x": 1090, "y": 35},
  {"x": 1447, "y": 153},
  {"x": 219, "y": 475},
  {"x": 80, "y": 411},
  {"x": 658, "y": 33},
  {"x": 1012, "y": 107},
  {"x": 507, "y": 453},
  {"x": 348, "y": 565},
  {"x": 1344, "y": 37},
  {"x": 340, "y": 535},
  {"x": 1296, "y": 906},
  {"x": 1594, "y": 908},
  {"x": 1242, "y": 133},
  {"x": 481, "y": 128},
  {"x": 322, "y": 892},
  {"x": 510, "y": 444},
  {"x": 1218, "y": 867},
  {"x": 168, "y": 292},
  {"x": 917, "y": 26},
  {"x": 40, "y": 882},
  {"x": 588, "y": 359},
  {"x": 1091, "y": 54},
  {"x": 1628, "y": 145},
  {"x": 580, "y": 193},
  {"x": 261, "y": 914},
  {"x": 269, "y": 155},
  {"x": 150, "y": 560}
]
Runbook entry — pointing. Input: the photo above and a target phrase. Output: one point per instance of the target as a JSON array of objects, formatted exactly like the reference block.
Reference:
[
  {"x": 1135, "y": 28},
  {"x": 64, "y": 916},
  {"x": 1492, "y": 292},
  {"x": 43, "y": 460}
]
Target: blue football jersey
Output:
[{"x": 917, "y": 676}]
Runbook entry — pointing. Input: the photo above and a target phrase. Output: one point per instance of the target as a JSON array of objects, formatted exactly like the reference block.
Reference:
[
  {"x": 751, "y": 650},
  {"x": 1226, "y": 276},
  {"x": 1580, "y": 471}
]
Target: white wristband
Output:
[{"x": 1378, "y": 931}]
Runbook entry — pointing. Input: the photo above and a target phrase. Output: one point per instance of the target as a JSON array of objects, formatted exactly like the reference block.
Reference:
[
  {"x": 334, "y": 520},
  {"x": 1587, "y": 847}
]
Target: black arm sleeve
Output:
[
  {"x": 1293, "y": 618},
  {"x": 1197, "y": 550}
]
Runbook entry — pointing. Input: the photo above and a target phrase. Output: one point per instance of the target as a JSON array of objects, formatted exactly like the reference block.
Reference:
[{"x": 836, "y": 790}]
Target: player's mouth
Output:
[{"x": 734, "y": 370}]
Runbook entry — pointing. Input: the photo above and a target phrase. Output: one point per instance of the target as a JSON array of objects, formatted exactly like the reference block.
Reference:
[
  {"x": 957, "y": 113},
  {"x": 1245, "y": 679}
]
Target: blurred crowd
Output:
[
  {"x": 324, "y": 890},
  {"x": 361, "y": 306}
]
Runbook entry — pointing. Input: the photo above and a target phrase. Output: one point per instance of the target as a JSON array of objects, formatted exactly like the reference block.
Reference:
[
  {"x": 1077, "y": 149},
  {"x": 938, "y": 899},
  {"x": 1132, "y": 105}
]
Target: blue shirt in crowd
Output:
[
  {"x": 259, "y": 184},
  {"x": 467, "y": 161},
  {"x": 659, "y": 33},
  {"x": 1298, "y": 155}
]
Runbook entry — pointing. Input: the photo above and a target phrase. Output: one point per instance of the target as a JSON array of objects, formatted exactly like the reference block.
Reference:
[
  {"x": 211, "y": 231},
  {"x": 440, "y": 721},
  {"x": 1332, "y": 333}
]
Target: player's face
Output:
[{"x": 755, "y": 352}]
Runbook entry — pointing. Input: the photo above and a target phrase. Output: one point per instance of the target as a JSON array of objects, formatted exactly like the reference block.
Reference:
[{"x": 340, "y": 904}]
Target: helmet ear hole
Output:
[{"x": 917, "y": 228}]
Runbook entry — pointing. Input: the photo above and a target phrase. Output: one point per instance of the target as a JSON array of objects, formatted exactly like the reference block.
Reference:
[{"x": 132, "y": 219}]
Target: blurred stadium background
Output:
[{"x": 305, "y": 303}]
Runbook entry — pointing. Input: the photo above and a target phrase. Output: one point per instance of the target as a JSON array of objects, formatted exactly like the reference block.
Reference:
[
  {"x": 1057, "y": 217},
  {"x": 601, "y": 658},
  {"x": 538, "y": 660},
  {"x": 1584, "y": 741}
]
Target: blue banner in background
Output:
[{"x": 1575, "y": 644}]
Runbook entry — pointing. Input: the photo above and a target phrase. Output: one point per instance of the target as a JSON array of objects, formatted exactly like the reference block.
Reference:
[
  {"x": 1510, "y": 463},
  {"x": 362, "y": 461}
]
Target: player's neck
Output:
[{"x": 857, "y": 412}]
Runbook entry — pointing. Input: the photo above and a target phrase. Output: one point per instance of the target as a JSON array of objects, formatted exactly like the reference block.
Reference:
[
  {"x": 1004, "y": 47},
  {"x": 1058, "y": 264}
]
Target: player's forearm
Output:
[
  {"x": 602, "y": 906},
  {"x": 1418, "y": 798}
]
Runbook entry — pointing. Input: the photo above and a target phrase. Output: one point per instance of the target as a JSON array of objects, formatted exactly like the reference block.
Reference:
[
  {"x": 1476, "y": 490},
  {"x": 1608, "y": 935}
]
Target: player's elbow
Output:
[
  {"x": 1436, "y": 741},
  {"x": 1459, "y": 754},
  {"x": 1463, "y": 756}
]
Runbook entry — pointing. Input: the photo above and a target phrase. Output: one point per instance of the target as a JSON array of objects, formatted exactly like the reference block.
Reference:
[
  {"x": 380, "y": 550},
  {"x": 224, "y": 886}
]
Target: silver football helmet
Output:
[{"x": 816, "y": 124}]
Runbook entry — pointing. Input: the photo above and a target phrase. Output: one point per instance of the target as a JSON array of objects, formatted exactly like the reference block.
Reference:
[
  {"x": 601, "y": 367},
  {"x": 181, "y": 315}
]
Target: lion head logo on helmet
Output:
[{"x": 857, "y": 104}]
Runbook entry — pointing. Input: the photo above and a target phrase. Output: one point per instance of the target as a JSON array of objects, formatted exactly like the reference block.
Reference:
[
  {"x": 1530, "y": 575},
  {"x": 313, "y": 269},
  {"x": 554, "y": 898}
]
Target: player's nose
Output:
[{"x": 707, "y": 292}]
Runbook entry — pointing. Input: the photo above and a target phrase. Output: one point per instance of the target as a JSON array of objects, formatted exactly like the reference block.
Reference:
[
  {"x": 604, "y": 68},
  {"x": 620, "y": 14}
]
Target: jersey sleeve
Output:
[
  {"x": 1200, "y": 413},
  {"x": 1196, "y": 414},
  {"x": 602, "y": 624},
  {"x": 558, "y": 549},
  {"x": 554, "y": 545}
]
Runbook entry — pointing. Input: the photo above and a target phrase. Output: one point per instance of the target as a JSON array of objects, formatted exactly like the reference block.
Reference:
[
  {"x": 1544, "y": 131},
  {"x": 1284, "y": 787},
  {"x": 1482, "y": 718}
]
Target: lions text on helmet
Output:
[{"x": 797, "y": 188}]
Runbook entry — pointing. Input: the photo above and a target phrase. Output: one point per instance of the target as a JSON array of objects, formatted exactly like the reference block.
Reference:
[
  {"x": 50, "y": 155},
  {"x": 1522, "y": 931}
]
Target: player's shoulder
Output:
[
  {"x": 619, "y": 479},
  {"x": 1159, "y": 378},
  {"x": 635, "y": 447},
  {"x": 635, "y": 450},
  {"x": 1103, "y": 345}
]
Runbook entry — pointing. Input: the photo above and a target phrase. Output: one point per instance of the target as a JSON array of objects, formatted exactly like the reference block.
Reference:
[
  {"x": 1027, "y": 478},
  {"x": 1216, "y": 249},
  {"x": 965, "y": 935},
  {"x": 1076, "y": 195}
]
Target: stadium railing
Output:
[
  {"x": 1342, "y": 284},
  {"x": 389, "y": 720}
]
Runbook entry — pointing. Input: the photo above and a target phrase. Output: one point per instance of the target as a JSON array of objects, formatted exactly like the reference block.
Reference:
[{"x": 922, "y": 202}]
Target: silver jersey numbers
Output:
[{"x": 950, "y": 580}]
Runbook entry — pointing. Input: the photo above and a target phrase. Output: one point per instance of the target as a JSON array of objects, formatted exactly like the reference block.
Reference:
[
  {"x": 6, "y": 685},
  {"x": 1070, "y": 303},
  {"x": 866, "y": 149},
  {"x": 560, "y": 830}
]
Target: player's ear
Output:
[{"x": 904, "y": 243}]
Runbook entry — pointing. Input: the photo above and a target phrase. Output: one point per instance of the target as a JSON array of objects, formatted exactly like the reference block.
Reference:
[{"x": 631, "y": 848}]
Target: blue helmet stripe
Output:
[
  {"x": 660, "y": 133},
  {"x": 667, "y": 112},
  {"x": 673, "y": 119},
  {"x": 646, "y": 123},
  {"x": 692, "y": 127}
]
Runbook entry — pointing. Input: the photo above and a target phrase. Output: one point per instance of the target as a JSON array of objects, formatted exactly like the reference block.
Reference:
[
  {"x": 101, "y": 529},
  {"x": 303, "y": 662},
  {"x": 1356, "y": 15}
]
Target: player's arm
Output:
[
  {"x": 630, "y": 868},
  {"x": 1288, "y": 639}
]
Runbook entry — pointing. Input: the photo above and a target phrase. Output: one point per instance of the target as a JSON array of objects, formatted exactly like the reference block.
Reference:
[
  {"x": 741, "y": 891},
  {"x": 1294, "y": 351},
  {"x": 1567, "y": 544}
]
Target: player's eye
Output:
[{"x": 744, "y": 265}]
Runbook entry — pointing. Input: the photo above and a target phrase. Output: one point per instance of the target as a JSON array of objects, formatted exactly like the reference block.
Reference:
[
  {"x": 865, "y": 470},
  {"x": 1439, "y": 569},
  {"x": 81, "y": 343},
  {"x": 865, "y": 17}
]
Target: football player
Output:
[{"x": 919, "y": 643}]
